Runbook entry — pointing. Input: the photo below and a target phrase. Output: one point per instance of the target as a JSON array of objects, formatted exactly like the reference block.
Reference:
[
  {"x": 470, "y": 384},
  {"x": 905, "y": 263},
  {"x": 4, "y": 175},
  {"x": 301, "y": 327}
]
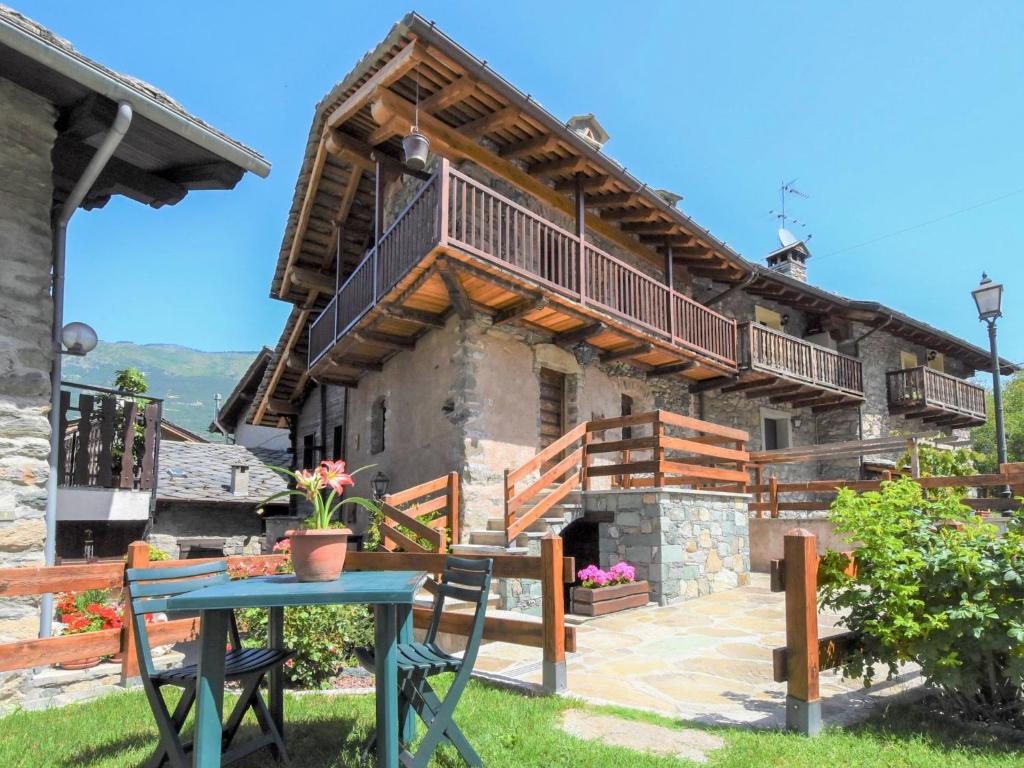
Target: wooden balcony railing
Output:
[
  {"x": 765, "y": 349},
  {"x": 456, "y": 211},
  {"x": 110, "y": 439},
  {"x": 924, "y": 388}
]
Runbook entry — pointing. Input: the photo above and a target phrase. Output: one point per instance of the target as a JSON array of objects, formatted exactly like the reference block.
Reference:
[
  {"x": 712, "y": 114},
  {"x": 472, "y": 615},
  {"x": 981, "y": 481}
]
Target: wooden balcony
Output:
[
  {"x": 461, "y": 247},
  {"x": 791, "y": 371},
  {"x": 935, "y": 397}
]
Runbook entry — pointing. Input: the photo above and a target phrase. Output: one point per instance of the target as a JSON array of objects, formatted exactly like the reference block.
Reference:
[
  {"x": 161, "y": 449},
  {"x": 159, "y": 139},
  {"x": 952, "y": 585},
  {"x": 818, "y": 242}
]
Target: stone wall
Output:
[
  {"x": 685, "y": 543},
  {"x": 27, "y": 135},
  {"x": 238, "y": 524}
]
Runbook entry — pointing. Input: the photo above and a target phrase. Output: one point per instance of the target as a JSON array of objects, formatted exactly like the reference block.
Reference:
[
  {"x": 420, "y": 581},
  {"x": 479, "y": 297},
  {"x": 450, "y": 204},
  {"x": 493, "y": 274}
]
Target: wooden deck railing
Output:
[
  {"x": 109, "y": 439},
  {"x": 429, "y": 516},
  {"x": 550, "y": 633},
  {"x": 927, "y": 388},
  {"x": 453, "y": 210},
  {"x": 765, "y": 349},
  {"x": 697, "y": 453}
]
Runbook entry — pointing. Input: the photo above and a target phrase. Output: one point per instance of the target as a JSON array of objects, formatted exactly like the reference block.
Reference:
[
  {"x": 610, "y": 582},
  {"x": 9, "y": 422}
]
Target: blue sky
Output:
[{"x": 889, "y": 115}]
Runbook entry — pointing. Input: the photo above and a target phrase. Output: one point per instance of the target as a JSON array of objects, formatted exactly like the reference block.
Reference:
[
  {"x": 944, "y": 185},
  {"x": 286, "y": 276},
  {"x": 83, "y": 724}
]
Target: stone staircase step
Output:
[
  {"x": 540, "y": 524},
  {"x": 486, "y": 549},
  {"x": 488, "y": 537}
]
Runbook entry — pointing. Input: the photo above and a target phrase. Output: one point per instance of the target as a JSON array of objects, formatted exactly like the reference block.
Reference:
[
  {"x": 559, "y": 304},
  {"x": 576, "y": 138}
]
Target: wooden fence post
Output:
[
  {"x": 454, "y": 505},
  {"x": 585, "y": 460},
  {"x": 659, "y": 452},
  {"x": 803, "y": 701},
  {"x": 773, "y": 495},
  {"x": 553, "y": 613},
  {"x": 138, "y": 557}
]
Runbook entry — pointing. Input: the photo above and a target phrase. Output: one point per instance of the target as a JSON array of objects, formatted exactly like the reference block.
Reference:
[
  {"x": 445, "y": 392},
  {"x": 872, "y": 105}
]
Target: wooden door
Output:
[{"x": 552, "y": 409}]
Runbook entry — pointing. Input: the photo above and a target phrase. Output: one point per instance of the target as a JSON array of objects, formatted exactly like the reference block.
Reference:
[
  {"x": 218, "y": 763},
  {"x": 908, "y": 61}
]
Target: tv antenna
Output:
[{"x": 786, "y": 236}]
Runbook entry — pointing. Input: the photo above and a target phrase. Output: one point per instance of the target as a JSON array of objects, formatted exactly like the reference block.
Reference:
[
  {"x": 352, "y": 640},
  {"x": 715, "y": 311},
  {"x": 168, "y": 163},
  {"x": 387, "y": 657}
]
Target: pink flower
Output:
[
  {"x": 284, "y": 545},
  {"x": 334, "y": 476},
  {"x": 622, "y": 573},
  {"x": 308, "y": 482}
]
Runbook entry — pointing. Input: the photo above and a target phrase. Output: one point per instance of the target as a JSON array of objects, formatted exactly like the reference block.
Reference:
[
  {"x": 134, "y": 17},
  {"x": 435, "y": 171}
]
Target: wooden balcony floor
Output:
[
  {"x": 939, "y": 415},
  {"x": 780, "y": 390},
  {"x": 448, "y": 281}
]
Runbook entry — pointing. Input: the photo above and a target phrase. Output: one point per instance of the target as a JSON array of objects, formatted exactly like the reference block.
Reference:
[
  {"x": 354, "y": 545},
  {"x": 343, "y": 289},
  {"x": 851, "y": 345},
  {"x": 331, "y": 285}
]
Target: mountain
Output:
[{"x": 186, "y": 378}]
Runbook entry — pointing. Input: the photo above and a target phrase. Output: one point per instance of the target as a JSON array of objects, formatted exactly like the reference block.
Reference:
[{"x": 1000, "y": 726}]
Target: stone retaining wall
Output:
[{"x": 685, "y": 543}]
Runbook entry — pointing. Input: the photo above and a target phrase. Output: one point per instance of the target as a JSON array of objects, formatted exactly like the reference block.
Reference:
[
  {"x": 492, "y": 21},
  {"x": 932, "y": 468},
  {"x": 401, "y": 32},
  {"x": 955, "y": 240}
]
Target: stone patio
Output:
[{"x": 707, "y": 660}]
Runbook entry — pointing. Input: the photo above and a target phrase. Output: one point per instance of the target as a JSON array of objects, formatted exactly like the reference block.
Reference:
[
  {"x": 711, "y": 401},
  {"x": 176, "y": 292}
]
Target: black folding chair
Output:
[
  {"x": 464, "y": 579},
  {"x": 148, "y": 590}
]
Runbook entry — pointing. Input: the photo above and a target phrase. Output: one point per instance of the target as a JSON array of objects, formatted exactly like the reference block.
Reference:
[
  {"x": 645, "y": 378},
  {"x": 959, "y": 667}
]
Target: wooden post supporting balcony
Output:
[
  {"x": 670, "y": 282},
  {"x": 581, "y": 231},
  {"x": 378, "y": 222},
  {"x": 444, "y": 202}
]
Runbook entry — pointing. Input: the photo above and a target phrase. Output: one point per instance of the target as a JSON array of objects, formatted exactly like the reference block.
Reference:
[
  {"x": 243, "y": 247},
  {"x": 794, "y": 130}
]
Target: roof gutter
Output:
[
  {"x": 116, "y": 132},
  {"x": 96, "y": 79}
]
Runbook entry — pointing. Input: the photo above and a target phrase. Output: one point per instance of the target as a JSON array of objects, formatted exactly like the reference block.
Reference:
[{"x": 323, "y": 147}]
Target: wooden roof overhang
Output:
[{"x": 468, "y": 112}]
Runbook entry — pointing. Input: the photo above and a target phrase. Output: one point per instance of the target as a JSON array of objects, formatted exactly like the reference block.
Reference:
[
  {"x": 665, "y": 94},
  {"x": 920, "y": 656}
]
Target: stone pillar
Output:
[
  {"x": 685, "y": 543},
  {"x": 27, "y": 135}
]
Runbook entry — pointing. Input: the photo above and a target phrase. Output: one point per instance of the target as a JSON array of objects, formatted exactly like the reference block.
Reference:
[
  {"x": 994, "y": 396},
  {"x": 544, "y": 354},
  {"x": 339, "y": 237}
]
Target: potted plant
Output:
[
  {"x": 601, "y": 592},
  {"x": 83, "y": 612},
  {"x": 318, "y": 548}
]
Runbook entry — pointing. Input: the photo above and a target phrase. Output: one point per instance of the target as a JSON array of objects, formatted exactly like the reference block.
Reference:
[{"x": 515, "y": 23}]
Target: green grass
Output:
[{"x": 507, "y": 729}]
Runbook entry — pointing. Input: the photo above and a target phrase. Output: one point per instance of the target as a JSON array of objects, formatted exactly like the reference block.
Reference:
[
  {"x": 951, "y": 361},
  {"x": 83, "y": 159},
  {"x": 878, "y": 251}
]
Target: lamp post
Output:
[
  {"x": 380, "y": 486},
  {"x": 988, "y": 297}
]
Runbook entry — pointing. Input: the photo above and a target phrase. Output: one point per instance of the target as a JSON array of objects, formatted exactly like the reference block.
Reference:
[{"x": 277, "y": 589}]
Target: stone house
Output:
[
  {"x": 209, "y": 500},
  {"x": 72, "y": 135},
  {"x": 466, "y": 315}
]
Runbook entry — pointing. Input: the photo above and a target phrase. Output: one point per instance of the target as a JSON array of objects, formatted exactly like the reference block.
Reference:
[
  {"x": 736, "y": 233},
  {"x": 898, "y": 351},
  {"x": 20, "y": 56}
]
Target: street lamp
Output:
[
  {"x": 78, "y": 339},
  {"x": 380, "y": 486},
  {"x": 988, "y": 297}
]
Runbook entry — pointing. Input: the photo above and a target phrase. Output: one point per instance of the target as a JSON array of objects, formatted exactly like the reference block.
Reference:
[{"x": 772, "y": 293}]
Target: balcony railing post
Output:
[
  {"x": 444, "y": 195},
  {"x": 581, "y": 236},
  {"x": 670, "y": 282}
]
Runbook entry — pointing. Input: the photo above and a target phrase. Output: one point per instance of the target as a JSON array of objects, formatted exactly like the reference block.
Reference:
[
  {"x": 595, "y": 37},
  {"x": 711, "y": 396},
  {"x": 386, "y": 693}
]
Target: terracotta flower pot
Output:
[
  {"x": 86, "y": 663},
  {"x": 319, "y": 555}
]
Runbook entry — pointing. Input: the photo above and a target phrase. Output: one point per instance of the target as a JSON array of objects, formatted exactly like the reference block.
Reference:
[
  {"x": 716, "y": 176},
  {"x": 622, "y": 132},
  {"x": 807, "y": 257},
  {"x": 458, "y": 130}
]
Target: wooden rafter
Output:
[
  {"x": 542, "y": 143},
  {"x": 668, "y": 370},
  {"x": 492, "y": 122},
  {"x": 392, "y": 71},
  {"x": 626, "y": 352}
]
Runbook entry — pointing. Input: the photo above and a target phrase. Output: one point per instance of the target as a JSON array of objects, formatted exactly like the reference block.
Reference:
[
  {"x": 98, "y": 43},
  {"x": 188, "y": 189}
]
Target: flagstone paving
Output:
[{"x": 708, "y": 660}]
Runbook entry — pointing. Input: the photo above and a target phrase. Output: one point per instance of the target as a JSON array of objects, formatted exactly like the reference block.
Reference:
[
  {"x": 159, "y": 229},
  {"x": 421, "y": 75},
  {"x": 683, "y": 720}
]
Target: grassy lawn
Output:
[{"x": 507, "y": 730}]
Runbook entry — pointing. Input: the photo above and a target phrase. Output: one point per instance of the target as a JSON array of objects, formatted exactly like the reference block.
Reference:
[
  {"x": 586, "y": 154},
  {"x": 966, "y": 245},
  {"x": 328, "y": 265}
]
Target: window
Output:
[
  {"x": 309, "y": 451},
  {"x": 768, "y": 317},
  {"x": 908, "y": 359},
  {"x": 626, "y": 409},
  {"x": 776, "y": 430},
  {"x": 337, "y": 441},
  {"x": 378, "y": 425},
  {"x": 937, "y": 361}
]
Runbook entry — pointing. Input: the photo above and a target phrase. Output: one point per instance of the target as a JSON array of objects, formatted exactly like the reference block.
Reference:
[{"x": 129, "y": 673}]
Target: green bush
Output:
[
  {"x": 935, "y": 585},
  {"x": 323, "y": 637}
]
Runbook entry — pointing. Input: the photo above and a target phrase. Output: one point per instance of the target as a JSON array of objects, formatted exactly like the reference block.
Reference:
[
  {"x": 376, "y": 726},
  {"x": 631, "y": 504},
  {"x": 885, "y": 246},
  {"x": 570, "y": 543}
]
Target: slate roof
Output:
[{"x": 202, "y": 472}]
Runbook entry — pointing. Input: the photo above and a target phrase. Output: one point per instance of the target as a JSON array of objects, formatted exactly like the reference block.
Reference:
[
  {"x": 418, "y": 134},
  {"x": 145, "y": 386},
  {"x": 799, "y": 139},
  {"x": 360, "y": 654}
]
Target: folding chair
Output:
[
  {"x": 148, "y": 590},
  {"x": 464, "y": 579}
]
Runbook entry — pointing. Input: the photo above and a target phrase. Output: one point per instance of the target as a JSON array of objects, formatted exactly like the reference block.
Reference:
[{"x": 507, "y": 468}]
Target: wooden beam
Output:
[
  {"x": 275, "y": 377},
  {"x": 359, "y": 365},
  {"x": 349, "y": 147},
  {"x": 742, "y": 386},
  {"x": 648, "y": 227},
  {"x": 414, "y": 315},
  {"x": 576, "y": 335},
  {"x": 392, "y": 71},
  {"x": 542, "y": 143},
  {"x": 569, "y": 164},
  {"x": 282, "y": 407},
  {"x": 449, "y": 95},
  {"x": 668, "y": 370},
  {"x": 457, "y": 293},
  {"x": 624, "y": 352},
  {"x": 295, "y": 361},
  {"x": 519, "y": 309},
  {"x": 834, "y": 406},
  {"x": 312, "y": 279},
  {"x": 492, "y": 122},
  {"x": 613, "y": 199},
  {"x": 590, "y": 183},
  {"x": 630, "y": 214},
  {"x": 708, "y": 384},
  {"x": 71, "y": 156},
  {"x": 775, "y": 389},
  {"x": 385, "y": 340}
]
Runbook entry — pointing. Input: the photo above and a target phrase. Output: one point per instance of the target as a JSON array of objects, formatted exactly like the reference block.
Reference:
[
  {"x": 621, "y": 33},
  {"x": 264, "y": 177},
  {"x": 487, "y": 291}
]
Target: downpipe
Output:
[{"x": 113, "y": 138}]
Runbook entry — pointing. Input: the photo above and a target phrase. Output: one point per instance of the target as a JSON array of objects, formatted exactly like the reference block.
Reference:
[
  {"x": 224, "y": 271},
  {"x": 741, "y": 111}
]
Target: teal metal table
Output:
[{"x": 390, "y": 592}]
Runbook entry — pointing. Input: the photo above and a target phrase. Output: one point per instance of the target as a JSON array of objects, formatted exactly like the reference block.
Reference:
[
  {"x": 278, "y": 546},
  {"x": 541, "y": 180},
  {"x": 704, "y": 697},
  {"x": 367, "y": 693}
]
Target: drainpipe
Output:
[
  {"x": 755, "y": 272},
  {"x": 92, "y": 171},
  {"x": 863, "y": 336}
]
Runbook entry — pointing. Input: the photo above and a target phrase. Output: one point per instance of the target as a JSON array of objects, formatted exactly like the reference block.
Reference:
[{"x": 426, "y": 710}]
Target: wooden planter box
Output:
[{"x": 603, "y": 600}]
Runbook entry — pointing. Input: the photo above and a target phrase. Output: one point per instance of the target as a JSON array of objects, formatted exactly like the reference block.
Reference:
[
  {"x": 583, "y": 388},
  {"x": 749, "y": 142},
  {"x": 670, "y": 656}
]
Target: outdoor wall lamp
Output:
[
  {"x": 78, "y": 339},
  {"x": 380, "y": 486}
]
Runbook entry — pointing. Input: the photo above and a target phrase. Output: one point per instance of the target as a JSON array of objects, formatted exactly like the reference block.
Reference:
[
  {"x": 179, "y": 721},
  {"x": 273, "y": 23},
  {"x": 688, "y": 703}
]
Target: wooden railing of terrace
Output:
[
  {"x": 429, "y": 517},
  {"x": 771, "y": 351},
  {"x": 453, "y": 211},
  {"x": 96, "y": 425},
  {"x": 935, "y": 397},
  {"x": 550, "y": 633},
  {"x": 696, "y": 453}
]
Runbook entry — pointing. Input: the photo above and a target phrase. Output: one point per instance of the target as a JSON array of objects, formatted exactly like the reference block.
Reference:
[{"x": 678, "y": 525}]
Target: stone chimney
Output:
[
  {"x": 588, "y": 129},
  {"x": 791, "y": 261},
  {"x": 239, "y": 480}
]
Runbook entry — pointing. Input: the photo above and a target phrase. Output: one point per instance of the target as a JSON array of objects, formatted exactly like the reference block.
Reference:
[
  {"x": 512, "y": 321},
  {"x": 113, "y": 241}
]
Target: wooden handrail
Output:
[
  {"x": 701, "y": 460},
  {"x": 423, "y": 502},
  {"x": 924, "y": 386},
  {"x": 777, "y": 352}
]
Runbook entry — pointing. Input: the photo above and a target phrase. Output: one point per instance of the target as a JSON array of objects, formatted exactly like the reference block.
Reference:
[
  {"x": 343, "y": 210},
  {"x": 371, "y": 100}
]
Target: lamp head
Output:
[
  {"x": 988, "y": 297},
  {"x": 78, "y": 339}
]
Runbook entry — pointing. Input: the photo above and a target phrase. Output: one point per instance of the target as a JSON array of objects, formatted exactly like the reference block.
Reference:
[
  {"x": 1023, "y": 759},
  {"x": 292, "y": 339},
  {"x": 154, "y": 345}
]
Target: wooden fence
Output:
[
  {"x": 768, "y": 497},
  {"x": 550, "y": 634},
  {"x": 698, "y": 453},
  {"x": 429, "y": 512}
]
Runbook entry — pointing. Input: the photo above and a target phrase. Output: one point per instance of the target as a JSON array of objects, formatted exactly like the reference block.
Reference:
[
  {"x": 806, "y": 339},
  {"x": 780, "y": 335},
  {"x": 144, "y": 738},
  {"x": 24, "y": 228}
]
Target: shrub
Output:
[
  {"x": 935, "y": 585},
  {"x": 323, "y": 637}
]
